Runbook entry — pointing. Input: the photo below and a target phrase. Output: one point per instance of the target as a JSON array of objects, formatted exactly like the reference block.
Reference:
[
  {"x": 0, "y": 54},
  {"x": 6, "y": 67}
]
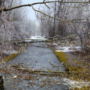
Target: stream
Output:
[{"x": 37, "y": 56}]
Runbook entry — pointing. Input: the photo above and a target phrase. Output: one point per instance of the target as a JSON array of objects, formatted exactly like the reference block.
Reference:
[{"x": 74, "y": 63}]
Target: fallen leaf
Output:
[
  {"x": 42, "y": 85},
  {"x": 28, "y": 77},
  {"x": 15, "y": 77}
]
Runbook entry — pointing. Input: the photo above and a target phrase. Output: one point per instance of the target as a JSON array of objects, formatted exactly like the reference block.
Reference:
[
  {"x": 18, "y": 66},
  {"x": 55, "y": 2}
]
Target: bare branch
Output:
[
  {"x": 47, "y": 5},
  {"x": 65, "y": 21},
  {"x": 43, "y": 0},
  {"x": 25, "y": 5}
]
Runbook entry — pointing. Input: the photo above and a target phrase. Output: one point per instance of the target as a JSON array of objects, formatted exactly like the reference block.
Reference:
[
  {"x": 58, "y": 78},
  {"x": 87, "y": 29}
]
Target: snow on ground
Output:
[
  {"x": 27, "y": 40},
  {"x": 55, "y": 44},
  {"x": 68, "y": 49},
  {"x": 76, "y": 84},
  {"x": 37, "y": 38},
  {"x": 10, "y": 51}
]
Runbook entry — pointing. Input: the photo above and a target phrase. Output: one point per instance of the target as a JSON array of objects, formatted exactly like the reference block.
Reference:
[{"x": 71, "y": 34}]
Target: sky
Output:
[
  {"x": 29, "y": 11},
  {"x": 30, "y": 14}
]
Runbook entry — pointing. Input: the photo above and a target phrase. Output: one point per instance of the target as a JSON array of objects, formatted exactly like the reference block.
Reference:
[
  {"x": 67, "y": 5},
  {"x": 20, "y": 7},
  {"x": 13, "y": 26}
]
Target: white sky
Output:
[{"x": 29, "y": 12}]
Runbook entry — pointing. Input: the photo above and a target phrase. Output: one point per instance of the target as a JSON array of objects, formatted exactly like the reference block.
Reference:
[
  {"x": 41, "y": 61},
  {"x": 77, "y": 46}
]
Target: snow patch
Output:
[
  {"x": 37, "y": 38},
  {"x": 68, "y": 49},
  {"x": 10, "y": 51},
  {"x": 76, "y": 84},
  {"x": 27, "y": 40},
  {"x": 55, "y": 44}
]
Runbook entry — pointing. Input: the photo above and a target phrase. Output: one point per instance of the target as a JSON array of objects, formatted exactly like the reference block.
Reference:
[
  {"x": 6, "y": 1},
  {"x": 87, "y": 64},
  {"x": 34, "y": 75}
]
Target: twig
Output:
[{"x": 53, "y": 64}]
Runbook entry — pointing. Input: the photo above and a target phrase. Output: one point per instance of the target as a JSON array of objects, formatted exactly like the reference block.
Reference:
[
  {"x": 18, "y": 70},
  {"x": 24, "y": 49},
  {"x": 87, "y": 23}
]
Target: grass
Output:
[
  {"x": 10, "y": 57},
  {"x": 13, "y": 55},
  {"x": 83, "y": 88},
  {"x": 74, "y": 72}
]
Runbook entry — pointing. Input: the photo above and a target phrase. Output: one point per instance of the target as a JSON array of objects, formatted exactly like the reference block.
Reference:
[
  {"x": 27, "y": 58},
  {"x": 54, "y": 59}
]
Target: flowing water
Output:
[{"x": 37, "y": 56}]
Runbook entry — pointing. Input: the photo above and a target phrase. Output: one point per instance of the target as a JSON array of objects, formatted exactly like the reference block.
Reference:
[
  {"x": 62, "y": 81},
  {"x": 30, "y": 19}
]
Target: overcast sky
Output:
[{"x": 30, "y": 13}]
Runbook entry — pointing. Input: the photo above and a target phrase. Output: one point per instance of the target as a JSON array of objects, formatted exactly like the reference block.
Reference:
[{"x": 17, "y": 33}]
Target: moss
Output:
[
  {"x": 73, "y": 71},
  {"x": 61, "y": 57},
  {"x": 83, "y": 88},
  {"x": 14, "y": 55},
  {"x": 10, "y": 57},
  {"x": 76, "y": 72}
]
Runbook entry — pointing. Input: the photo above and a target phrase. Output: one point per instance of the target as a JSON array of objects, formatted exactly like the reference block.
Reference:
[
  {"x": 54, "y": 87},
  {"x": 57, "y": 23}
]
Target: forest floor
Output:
[{"x": 76, "y": 61}]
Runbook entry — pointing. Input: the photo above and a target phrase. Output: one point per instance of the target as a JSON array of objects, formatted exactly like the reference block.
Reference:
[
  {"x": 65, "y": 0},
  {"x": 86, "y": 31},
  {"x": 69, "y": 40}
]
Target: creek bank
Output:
[
  {"x": 77, "y": 70},
  {"x": 9, "y": 54}
]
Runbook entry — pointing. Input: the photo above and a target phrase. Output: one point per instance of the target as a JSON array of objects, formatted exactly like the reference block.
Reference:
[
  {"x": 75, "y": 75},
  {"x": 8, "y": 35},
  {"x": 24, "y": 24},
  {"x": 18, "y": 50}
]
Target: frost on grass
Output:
[{"x": 76, "y": 84}]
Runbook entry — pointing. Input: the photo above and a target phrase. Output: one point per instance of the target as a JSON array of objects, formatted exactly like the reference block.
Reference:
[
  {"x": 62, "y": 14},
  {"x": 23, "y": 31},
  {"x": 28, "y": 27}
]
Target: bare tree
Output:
[{"x": 67, "y": 12}]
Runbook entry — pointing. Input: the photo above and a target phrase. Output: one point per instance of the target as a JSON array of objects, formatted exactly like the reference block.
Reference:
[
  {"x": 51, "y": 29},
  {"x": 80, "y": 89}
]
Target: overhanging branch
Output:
[
  {"x": 25, "y": 5},
  {"x": 70, "y": 23},
  {"x": 64, "y": 21},
  {"x": 44, "y": 2}
]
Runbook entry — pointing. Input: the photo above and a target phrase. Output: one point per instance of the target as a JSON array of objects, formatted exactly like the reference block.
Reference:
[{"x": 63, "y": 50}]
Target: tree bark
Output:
[{"x": 1, "y": 83}]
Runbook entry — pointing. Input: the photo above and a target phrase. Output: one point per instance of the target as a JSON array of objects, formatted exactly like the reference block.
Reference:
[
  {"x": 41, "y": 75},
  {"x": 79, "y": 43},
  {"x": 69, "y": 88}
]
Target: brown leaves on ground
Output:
[
  {"x": 81, "y": 58},
  {"x": 42, "y": 85},
  {"x": 28, "y": 77},
  {"x": 81, "y": 66}
]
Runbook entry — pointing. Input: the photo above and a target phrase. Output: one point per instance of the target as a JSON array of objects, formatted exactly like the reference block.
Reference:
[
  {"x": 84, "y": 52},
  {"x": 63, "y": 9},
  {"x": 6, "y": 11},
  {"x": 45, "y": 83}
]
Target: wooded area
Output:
[
  {"x": 63, "y": 24},
  {"x": 61, "y": 18}
]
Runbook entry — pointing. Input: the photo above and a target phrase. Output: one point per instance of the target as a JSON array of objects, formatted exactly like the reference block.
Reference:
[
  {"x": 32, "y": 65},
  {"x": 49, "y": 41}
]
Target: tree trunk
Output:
[
  {"x": 1, "y": 83},
  {"x": 54, "y": 28}
]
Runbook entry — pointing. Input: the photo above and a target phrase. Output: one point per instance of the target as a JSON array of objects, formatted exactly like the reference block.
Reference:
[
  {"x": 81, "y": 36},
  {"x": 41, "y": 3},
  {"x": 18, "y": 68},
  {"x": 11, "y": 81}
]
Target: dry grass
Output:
[{"x": 76, "y": 68}]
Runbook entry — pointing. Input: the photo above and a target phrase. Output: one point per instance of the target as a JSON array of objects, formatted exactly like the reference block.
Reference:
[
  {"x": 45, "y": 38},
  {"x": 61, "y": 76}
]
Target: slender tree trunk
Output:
[{"x": 54, "y": 20}]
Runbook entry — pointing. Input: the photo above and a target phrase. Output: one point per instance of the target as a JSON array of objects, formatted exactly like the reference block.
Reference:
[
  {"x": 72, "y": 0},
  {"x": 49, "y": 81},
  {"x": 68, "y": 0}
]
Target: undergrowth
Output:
[{"x": 74, "y": 72}]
